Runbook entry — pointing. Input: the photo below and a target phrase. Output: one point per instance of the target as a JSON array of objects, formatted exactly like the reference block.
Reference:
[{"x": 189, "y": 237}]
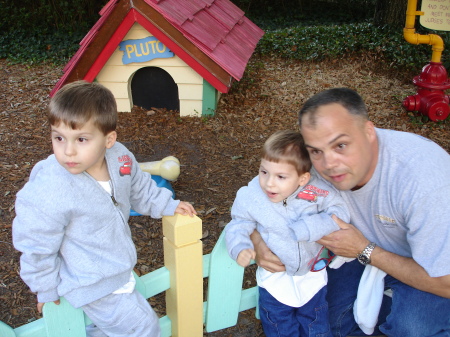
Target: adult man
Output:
[{"x": 396, "y": 185}]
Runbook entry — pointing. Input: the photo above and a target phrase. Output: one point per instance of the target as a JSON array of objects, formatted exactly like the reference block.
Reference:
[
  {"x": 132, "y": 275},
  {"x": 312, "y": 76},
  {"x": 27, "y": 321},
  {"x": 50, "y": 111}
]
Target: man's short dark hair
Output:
[{"x": 346, "y": 97}]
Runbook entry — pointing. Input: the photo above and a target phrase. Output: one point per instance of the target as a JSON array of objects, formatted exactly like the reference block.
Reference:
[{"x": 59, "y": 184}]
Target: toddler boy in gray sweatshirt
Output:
[
  {"x": 71, "y": 221},
  {"x": 291, "y": 207}
]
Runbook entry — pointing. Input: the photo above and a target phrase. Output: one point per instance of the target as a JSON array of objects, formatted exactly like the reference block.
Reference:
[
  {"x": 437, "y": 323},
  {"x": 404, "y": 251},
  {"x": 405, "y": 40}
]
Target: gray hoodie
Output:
[
  {"x": 74, "y": 237},
  {"x": 290, "y": 227}
]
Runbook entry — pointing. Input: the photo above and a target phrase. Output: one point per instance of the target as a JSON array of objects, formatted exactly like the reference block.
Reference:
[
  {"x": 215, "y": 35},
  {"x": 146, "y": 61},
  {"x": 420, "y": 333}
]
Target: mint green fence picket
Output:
[
  {"x": 65, "y": 320},
  {"x": 225, "y": 299}
]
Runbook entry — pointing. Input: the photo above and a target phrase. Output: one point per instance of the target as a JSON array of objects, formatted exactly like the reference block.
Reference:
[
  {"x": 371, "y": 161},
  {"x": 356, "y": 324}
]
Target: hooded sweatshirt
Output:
[
  {"x": 289, "y": 227},
  {"x": 74, "y": 236}
]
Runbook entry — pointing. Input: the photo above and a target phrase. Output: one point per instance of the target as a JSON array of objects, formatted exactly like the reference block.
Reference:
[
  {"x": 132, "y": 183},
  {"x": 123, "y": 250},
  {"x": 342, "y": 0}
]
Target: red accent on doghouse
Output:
[
  {"x": 211, "y": 36},
  {"x": 132, "y": 17}
]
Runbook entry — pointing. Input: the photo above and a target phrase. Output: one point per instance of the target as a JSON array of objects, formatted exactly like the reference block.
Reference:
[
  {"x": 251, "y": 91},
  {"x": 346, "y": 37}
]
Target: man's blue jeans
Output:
[
  {"x": 410, "y": 312},
  {"x": 280, "y": 320}
]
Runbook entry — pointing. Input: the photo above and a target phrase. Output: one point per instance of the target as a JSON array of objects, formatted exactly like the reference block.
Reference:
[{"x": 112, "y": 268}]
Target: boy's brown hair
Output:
[
  {"x": 78, "y": 102},
  {"x": 287, "y": 146}
]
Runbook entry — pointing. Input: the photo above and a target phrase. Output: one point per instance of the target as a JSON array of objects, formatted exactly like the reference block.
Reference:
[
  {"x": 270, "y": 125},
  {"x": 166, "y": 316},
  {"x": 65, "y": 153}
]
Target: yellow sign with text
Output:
[{"x": 436, "y": 14}]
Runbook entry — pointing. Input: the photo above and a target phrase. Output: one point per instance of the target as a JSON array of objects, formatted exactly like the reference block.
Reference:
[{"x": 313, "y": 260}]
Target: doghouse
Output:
[{"x": 172, "y": 54}]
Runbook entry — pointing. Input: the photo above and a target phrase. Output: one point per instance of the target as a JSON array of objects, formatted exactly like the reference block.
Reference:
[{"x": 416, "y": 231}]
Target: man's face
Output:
[{"x": 342, "y": 147}]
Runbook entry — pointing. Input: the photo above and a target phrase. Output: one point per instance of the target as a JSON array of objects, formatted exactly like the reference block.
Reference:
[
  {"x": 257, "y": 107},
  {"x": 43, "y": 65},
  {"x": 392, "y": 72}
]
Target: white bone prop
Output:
[{"x": 168, "y": 168}]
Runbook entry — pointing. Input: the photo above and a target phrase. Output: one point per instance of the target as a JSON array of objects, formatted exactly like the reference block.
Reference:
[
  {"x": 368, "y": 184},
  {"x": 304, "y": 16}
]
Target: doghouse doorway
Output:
[{"x": 153, "y": 87}]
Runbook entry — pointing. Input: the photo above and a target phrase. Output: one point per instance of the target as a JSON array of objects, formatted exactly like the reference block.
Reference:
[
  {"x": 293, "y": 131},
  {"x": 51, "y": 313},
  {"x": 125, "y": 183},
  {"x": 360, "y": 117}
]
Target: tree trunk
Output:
[{"x": 390, "y": 12}]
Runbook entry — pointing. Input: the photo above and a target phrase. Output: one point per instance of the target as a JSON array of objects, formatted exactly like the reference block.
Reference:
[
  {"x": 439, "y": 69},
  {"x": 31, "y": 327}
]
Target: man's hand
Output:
[
  {"x": 264, "y": 256},
  {"x": 347, "y": 242},
  {"x": 41, "y": 305}
]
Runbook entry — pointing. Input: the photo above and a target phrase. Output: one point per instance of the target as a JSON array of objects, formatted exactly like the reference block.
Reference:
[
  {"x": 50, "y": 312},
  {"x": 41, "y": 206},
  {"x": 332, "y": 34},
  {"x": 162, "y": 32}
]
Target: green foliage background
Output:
[{"x": 34, "y": 31}]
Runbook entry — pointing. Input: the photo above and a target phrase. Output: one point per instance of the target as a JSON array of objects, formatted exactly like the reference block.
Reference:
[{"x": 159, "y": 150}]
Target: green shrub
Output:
[
  {"x": 33, "y": 47},
  {"x": 48, "y": 14},
  {"x": 332, "y": 41},
  {"x": 48, "y": 31},
  {"x": 269, "y": 14},
  {"x": 44, "y": 30}
]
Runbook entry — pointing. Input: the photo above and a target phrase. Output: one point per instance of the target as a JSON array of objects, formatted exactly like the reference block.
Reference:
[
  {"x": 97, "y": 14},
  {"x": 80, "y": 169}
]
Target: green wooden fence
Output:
[{"x": 225, "y": 297}]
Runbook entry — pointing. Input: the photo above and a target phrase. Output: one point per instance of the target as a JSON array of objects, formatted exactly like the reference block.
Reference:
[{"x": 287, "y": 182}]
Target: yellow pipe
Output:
[{"x": 410, "y": 35}]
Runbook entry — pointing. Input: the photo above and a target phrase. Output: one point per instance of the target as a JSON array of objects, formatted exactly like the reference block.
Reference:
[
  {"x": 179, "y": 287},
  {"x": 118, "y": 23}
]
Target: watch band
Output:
[{"x": 364, "y": 256}]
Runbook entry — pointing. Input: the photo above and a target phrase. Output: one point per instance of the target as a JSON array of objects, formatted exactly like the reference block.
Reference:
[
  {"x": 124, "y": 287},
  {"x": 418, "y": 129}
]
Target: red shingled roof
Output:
[{"x": 212, "y": 36}]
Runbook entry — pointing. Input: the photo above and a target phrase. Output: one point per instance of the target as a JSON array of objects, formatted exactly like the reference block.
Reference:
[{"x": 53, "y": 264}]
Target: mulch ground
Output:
[{"x": 218, "y": 155}]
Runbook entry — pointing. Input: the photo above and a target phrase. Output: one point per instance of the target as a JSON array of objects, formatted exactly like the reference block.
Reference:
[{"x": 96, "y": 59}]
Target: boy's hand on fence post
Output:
[
  {"x": 41, "y": 305},
  {"x": 185, "y": 208}
]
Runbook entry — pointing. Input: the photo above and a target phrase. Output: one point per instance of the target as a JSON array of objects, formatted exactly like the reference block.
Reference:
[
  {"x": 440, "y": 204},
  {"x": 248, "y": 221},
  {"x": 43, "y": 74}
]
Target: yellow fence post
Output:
[{"x": 183, "y": 257}]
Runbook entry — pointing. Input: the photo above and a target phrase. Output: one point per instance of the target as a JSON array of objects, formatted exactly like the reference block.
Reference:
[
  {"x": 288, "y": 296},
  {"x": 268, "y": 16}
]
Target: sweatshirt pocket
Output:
[{"x": 104, "y": 253}]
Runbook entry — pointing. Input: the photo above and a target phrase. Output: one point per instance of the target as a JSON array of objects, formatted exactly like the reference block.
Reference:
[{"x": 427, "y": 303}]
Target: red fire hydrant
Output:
[{"x": 430, "y": 99}]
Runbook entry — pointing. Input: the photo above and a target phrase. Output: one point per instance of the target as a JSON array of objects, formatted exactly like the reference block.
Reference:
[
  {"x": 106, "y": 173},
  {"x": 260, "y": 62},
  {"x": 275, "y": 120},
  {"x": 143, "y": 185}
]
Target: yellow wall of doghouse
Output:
[{"x": 117, "y": 77}]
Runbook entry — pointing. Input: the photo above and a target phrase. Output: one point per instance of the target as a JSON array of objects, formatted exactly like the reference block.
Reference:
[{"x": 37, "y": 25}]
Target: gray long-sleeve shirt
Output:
[{"x": 74, "y": 237}]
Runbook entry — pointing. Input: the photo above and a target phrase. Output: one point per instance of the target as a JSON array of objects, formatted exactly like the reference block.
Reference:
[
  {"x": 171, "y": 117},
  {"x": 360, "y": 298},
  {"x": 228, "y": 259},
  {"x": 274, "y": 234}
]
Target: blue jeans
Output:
[
  {"x": 281, "y": 320},
  {"x": 410, "y": 312}
]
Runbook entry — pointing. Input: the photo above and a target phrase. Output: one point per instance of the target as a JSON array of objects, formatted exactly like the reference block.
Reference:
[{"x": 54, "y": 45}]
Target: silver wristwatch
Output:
[{"x": 364, "y": 256}]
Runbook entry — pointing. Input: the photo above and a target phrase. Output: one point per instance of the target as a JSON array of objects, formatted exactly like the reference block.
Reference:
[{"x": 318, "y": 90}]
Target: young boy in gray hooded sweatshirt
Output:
[
  {"x": 291, "y": 208},
  {"x": 72, "y": 215}
]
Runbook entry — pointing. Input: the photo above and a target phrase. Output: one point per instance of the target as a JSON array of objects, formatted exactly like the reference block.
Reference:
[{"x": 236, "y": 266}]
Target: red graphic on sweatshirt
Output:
[
  {"x": 307, "y": 195},
  {"x": 311, "y": 193},
  {"x": 125, "y": 169},
  {"x": 125, "y": 157}
]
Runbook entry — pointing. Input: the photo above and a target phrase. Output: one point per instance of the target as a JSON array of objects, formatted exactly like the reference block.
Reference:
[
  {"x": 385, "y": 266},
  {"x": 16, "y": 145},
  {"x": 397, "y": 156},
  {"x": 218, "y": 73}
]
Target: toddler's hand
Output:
[
  {"x": 41, "y": 305},
  {"x": 245, "y": 256},
  {"x": 185, "y": 208}
]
